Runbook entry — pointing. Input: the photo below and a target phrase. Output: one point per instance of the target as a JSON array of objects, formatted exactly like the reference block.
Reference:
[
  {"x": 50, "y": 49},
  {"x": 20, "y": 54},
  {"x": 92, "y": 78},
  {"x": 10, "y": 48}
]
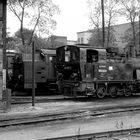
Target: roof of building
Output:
[
  {"x": 117, "y": 25},
  {"x": 85, "y": 31}
]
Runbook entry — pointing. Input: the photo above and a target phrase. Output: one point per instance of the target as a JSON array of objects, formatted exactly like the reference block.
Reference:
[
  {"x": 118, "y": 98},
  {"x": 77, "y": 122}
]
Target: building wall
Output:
[
  {"x": 56, "y": 41},
  {"x": 71, "y": 42},
  {"x": 83, "y": 37},
  {"x": 119, "y": 34},
  {"x": 61, "y": 39}
]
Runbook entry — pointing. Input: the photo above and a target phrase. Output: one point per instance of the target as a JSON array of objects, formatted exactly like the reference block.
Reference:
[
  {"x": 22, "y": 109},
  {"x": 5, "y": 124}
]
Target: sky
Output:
[{"x": 73, "y": 18}]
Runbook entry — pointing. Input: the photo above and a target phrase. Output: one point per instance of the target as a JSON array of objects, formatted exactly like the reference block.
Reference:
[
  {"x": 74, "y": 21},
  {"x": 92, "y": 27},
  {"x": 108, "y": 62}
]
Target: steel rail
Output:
[
  {"x": 49, "y": 118},
  {"x": 93, "y": 136}
]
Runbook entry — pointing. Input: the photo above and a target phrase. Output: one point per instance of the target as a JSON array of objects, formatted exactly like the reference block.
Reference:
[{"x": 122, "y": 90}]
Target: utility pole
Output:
[
  {"x": 5, "y": 94},
  {"x": 103, "y": 26},
  {"x": 139, "y": 33},
  {"x": 33, "y": 74}
]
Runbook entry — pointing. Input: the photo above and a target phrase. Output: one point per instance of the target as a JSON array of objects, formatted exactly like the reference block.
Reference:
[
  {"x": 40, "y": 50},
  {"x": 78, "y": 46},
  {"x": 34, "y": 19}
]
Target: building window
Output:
[
  {"x": 79, "y": 40},
  {"x": 82, "y": 40}
]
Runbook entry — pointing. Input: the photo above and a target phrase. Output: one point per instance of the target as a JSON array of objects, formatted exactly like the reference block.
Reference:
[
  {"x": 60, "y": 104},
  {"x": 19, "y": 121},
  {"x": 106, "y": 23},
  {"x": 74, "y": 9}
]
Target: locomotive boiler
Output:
[
  {"x": 84, "y": 70},
  {"x": 45, "y": 77}
]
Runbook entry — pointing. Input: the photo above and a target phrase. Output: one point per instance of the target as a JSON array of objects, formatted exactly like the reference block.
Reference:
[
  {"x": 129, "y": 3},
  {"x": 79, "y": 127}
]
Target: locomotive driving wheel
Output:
[
  {"x": 127, "y": 92},
  {"x": 65, "y": 91},
  {"x": 101, "y": 92},
  {"x": 113, "y": 91}
]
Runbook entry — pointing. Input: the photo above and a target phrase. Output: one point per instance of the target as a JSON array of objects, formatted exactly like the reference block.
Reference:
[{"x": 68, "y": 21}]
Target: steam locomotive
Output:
[
  {"x": 84, "y": 70},
  {"x": 21, "y": 75}
]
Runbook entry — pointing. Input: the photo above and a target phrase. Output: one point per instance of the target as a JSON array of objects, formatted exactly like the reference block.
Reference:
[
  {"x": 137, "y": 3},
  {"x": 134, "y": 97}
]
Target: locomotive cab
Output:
[
  {"x": 89, "y": 65},
  {"x": 76, "y": 68},
  {"x": 68, "y": 67}
]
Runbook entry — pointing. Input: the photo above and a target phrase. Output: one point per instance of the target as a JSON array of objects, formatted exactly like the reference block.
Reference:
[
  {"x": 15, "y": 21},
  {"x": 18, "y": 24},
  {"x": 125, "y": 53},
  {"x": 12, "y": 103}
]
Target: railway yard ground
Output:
[{"x": 56, "y": 117}]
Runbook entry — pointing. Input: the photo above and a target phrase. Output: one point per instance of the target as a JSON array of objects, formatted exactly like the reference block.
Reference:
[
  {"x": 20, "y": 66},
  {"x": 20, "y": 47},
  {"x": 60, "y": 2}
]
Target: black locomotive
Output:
[
  {"x": 45, "y": 76},
  {"x": 84, "y": 70}
]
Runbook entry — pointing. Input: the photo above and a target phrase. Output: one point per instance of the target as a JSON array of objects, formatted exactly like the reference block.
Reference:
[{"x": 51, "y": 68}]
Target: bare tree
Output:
[
  {"x": 95, "y": 21},
  {"x": 130, "y": 9},
  {"x": 111, "y": 13},
  {"x": 38, "y": 13}
]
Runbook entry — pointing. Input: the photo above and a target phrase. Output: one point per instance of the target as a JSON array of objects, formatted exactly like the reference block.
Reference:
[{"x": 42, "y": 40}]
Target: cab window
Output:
[{"x": 92, "y": 56}]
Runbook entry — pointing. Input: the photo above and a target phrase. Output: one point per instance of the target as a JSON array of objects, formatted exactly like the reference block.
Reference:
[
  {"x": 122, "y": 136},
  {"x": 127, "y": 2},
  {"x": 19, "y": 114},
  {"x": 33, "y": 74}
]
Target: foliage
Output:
[
  {"x": 27, "y": 33},
  {"x": 96, "y": 37},
  {"x": 128, "y": 36},
  {"x": 111, "y": 13},
  {"x": 10, "y": 43},
  {"x": 54, "y": 42},
  {"x": 38, "y": 13},
  {"x": 94, "y": 13},
  {"x": 130, "y": 9},
  {"x": 40, "y": 43},
  {"x": 95, "y": 21},
  {"x": 15, "y": 41}
]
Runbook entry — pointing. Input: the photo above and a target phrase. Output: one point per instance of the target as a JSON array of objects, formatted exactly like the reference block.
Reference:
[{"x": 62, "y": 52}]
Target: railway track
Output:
[
  {"x": 35, "y": 118},
  {"x": 112, "y": 135},
  {"x": 123, "y": 133},
  {"x": 87, "y": 114},
  {"x": 38, "y": 99},
  {"x": 52, "y": 98}
]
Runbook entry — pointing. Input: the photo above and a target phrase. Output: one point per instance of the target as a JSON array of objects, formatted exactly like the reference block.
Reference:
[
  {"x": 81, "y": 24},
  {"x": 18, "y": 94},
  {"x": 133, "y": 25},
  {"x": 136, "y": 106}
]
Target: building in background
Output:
[
  {"x": 71, "y": 42},
  {"x": 83, "y": 37},
  {"x": 56, "y": 41},
  {"x": 119, "y": 34}
]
